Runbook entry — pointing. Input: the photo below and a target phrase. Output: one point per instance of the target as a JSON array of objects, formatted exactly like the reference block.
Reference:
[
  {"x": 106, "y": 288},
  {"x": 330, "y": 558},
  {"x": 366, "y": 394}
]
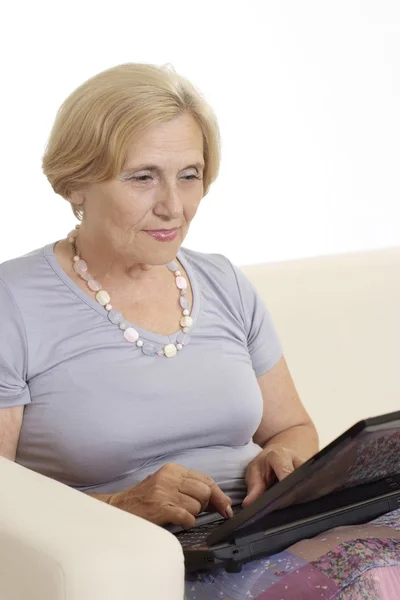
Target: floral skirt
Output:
[{"x": 346, "y": 563}]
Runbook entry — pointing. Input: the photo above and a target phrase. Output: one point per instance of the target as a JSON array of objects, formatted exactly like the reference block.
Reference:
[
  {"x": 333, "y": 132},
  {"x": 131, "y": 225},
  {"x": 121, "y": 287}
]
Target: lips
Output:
[{"x": 162, "y": 235}]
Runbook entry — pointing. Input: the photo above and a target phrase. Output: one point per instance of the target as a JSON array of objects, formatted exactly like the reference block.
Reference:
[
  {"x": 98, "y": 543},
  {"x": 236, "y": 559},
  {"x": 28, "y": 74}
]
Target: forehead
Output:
[{"x": 178, "y": 139}]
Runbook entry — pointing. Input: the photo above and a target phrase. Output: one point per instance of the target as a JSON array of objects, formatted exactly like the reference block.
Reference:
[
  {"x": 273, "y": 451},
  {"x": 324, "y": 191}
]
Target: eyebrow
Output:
[{"x": 199, "y": 166}]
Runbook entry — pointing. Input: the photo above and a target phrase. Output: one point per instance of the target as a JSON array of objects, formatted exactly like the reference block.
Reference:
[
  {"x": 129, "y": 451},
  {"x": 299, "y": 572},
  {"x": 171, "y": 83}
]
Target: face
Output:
[{"x": 144, "y": 214}]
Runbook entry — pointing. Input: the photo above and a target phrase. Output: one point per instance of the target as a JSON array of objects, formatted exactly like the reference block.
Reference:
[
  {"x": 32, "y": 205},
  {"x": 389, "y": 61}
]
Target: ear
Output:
[{"x": 77, "y": 197}]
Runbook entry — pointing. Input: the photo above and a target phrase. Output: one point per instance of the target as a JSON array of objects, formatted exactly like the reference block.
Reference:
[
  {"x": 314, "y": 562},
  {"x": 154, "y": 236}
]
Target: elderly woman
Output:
[{"x": 141, "y": 373}]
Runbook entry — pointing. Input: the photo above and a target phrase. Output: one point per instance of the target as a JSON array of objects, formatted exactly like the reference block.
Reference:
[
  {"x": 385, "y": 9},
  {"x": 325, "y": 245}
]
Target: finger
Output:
[
  {"x": 196, "y": 489},
  {"x": 190, "y": 504},
  {"x": 281, "y": 463},
  {"x": 298, "y": 461},
  {"x": 218, "y": 500},
  {"x": 255, "y": 492},
  {"x": 176, "y": 515},
  {"x": 256, "y": 484}
]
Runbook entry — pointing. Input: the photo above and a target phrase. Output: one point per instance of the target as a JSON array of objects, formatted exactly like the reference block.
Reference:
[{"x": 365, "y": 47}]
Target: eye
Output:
[
  {"x": 141, "y": 178},
  {"x": 191, "y": 177}
]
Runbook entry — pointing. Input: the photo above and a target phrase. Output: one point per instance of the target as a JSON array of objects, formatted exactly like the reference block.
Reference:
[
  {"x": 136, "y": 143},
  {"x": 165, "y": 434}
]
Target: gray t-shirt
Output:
[{"x": 100, "y": 415}]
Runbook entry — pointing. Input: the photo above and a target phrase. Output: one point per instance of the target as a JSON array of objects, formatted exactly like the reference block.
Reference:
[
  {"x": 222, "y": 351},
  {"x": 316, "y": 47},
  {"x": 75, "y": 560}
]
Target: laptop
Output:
[{"x": 354, "y": 479}]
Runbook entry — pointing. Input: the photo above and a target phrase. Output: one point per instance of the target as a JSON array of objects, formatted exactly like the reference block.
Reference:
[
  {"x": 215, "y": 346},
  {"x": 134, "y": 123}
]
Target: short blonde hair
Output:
[{"x": 97, "y": 123}]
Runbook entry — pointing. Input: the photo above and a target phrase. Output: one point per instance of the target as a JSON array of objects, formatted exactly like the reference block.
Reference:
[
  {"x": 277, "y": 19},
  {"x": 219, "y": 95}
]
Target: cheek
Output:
[
  {"x": 131, "y": 206},
  {"x": 191, "y": 206}
]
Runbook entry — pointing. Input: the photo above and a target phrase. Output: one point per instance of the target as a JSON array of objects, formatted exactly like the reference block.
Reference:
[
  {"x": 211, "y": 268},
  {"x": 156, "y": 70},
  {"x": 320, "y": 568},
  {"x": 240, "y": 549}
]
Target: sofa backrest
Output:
[{"x": 338, "y": 318}]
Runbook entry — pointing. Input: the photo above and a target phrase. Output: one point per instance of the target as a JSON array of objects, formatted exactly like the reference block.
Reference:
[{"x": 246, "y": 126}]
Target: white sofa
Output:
[{"x": 338, "y": 318}]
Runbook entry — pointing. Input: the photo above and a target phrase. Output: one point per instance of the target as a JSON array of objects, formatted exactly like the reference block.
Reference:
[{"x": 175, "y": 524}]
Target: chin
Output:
[{"x": 166, "y": 253}]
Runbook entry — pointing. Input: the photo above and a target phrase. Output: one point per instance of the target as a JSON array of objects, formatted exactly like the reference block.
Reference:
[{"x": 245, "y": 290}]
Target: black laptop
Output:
[{"x": 353, "y": 480}]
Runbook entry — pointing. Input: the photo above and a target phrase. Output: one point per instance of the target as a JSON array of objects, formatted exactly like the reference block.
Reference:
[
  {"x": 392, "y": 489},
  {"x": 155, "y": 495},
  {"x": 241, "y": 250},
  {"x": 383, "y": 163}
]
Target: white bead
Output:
[
  {"x": 103, "y": 297},
  {"x": 179, "y": 346},
  {"x": 186, "y": 322},
  {"x": 185, "y": 329},
  {"x": 139, "y": 343},
  {"x": 160, "y": 352},
  {"x": 170, "y": 350},
  {"x": 178, "y": 273},
  {"x": 108, "y": 307},
  {"x": 76, "y": 258},
  {"x": 185, "y": 312}
]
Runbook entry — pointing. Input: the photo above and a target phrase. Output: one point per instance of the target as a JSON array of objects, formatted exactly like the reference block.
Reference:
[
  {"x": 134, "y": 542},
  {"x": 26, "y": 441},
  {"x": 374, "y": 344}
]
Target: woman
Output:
[{"x": 148, "y": 376}]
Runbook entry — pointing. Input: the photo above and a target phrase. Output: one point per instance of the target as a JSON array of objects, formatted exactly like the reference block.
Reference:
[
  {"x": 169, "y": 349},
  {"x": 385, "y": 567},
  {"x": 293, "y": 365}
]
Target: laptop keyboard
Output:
[{"x": 198, "y": 535}]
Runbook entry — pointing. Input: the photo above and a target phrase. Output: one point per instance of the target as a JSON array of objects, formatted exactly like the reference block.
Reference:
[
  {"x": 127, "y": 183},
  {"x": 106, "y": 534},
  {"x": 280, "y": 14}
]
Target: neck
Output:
[{"x": 107, "y": 264}]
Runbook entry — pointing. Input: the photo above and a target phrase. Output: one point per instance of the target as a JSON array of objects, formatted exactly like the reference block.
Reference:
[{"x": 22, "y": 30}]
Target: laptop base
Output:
[{"x": 249, "y": 544}]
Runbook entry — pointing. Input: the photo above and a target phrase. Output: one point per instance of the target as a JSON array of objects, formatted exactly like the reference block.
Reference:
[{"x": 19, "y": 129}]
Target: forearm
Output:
[{"x": 303, "y": 439}]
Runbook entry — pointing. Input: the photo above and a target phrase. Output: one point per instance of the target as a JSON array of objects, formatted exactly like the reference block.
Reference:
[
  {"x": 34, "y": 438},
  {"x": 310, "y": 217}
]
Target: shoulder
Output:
[
  {"x": 223, "y": 281},
  {"x": 219, "y": 272},
  {"x": 210, "y": 265},
  {"x": 19, "y": 273}
]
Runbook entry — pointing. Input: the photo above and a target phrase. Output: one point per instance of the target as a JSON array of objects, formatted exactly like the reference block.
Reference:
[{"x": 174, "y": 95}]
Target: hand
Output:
[
  {"x": 174, "y": 494},
  {"x": 274, "y": 462}
]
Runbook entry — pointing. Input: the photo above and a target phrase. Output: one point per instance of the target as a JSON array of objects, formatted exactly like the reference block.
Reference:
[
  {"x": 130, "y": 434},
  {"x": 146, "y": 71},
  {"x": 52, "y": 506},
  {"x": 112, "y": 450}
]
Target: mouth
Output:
[{"x": 162, "y": 235}]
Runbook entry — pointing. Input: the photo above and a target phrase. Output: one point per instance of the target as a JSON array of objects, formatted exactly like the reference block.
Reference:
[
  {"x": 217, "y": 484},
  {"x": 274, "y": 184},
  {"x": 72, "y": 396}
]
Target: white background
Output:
[{"x": 306, "y": 92}]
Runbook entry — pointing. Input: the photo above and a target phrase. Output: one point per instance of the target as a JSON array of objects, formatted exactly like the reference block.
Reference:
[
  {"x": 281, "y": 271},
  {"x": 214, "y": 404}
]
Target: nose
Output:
[{"x": 169, "y": 204}]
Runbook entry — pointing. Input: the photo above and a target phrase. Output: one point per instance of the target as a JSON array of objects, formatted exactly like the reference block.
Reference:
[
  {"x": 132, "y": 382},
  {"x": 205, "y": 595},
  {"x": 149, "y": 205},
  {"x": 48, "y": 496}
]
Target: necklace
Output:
[{"x": 130, "y": 334}]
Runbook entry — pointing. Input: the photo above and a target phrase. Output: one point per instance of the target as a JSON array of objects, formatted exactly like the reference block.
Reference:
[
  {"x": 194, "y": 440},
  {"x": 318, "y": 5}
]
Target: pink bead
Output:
[
  {"x": 181, "y": 283},
  {"x": 94, "y": 285},
  {"x": 179, "y": 346},
  {"x": 87, "y": 276},
  {"x": 80, "y": 267},
  {"x": 131, "y": 335},
  {"x": 108, "y": 307}
]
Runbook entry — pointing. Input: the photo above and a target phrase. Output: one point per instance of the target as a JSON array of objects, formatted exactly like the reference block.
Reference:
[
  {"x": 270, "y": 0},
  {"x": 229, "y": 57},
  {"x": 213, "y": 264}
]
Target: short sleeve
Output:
[
  {"x": 262, "y": 339},
  {"x": 14, "y": 390}
]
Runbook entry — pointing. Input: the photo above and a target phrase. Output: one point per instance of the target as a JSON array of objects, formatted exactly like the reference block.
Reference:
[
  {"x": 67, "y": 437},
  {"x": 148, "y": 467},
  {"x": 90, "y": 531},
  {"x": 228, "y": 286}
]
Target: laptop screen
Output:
[{"x": 369, "y": 457}]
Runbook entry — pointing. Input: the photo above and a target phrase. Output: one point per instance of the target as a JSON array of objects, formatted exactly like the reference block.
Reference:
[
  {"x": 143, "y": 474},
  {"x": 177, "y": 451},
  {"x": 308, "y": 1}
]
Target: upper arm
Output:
[
  {"x": 10, "y": 427},
  {"x": 282, "y": 407},
  {"x": 262, "y": 339},
  {"x": 14, "y": 391}
]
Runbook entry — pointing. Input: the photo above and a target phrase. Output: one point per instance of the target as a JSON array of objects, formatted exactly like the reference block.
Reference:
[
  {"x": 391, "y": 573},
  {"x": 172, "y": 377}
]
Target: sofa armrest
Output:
[{"x": 58, "y": 544}]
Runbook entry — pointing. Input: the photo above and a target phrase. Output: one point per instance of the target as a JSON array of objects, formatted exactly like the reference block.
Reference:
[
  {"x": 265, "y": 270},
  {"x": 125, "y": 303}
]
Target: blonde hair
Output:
[{"x": 97, "y": 123}]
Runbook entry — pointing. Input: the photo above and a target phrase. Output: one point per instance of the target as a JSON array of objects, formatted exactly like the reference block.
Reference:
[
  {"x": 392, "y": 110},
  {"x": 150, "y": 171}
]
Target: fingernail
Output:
[{"x": 229, "y": 512}]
